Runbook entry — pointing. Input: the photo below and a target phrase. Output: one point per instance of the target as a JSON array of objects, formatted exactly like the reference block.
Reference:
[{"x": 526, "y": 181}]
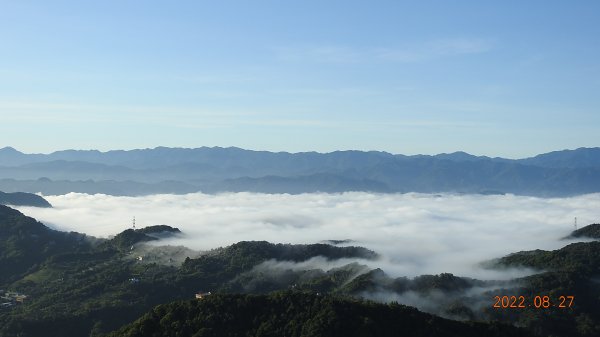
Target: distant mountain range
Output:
[{"x": 211, "y": 170}]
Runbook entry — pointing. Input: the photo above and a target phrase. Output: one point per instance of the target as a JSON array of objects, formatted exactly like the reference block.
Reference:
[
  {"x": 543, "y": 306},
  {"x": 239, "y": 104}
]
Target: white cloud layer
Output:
[{"x": 415, "y": 233}]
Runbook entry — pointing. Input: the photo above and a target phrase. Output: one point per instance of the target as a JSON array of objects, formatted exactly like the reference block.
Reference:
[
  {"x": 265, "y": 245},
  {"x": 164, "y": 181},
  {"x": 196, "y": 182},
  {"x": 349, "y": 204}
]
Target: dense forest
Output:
[{"x": 296, "y": 314}]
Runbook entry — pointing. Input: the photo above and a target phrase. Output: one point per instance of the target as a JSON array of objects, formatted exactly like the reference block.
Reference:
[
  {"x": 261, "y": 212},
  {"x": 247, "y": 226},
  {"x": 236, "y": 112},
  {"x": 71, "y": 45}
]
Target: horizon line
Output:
[{"x": 11, "y": 148}]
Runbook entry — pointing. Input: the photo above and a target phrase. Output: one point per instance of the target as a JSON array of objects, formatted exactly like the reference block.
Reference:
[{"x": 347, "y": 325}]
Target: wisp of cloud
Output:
[{"x": 414, "y": 233}]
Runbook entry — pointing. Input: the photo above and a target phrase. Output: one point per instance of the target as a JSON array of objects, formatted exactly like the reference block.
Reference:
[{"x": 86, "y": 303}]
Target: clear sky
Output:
[{"x": 497, "y": 78}]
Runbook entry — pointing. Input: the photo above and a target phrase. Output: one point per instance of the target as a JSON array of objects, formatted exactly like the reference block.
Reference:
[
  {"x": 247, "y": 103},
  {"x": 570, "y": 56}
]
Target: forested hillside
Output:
[
  {"x": 68, "y": 284},
  {"x": 296, "y": 314}
]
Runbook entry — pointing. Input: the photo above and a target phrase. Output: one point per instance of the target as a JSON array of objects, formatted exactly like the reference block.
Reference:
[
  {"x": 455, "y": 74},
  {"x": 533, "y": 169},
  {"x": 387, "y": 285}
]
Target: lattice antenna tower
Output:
[
  {"x": 133, "y": 223},
  {"x": 575, "y": 223}
]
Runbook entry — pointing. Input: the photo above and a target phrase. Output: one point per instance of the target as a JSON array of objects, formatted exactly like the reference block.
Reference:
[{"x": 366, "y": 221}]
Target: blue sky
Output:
[{"x": 503, "y": 78}]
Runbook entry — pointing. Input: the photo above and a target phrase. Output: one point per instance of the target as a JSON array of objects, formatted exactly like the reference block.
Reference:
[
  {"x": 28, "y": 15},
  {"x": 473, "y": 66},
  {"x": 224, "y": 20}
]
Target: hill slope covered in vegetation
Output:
[
  {"x": 296, "y": 314},
  {"x": 81, "y": 286}
]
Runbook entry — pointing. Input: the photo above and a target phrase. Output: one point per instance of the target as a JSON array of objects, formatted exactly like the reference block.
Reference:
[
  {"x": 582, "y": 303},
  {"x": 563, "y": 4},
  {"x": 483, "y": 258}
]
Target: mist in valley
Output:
[{"x": 414, "y": 234}]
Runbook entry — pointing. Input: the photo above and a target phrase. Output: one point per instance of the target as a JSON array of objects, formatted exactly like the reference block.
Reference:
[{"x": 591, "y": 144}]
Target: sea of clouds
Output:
[{"x": 414, "y": 233}]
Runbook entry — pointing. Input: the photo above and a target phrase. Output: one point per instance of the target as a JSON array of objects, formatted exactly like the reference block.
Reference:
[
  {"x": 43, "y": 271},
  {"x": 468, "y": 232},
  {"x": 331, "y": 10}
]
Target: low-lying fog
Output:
[{"x": 415, "y": 233}]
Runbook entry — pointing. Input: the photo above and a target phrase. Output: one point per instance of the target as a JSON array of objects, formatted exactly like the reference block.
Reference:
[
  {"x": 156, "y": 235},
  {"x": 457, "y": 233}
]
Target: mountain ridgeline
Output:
[
  {"x": 23, "y": 199},
  {"x": 211, "y": 170}
]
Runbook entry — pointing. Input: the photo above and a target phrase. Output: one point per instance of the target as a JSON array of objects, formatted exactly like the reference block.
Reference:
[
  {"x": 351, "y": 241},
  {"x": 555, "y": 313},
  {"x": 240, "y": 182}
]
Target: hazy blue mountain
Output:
[
  {"x": 431, "y": 175},
  {"x": 231, "y": 157},
  {"x": 10, "y": 156},
  {"x": 162, "y": 157},
  {"x": 320, "y": 182},
  {"x": 67, "y": 170},
  {"x": 459, "y": 156},
  {"x": 180, "y": 170},
  {"x": 111, "y": 187},
  {"x": 582, "y": 157},
  {"x": 23, "y": 199}
]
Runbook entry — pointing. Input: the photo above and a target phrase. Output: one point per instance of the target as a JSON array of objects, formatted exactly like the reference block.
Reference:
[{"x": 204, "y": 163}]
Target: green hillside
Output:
[
  {"x": 296, "y": 314},
  {"x": 82, "y": 286},
  {"x": 591, "y": 231},
  {"x": 25, "y": 244}
]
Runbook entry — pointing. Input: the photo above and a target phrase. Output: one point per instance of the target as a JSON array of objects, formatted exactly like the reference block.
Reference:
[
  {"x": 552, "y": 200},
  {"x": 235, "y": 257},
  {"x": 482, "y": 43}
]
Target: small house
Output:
[{"x": 200, "y": 296}]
